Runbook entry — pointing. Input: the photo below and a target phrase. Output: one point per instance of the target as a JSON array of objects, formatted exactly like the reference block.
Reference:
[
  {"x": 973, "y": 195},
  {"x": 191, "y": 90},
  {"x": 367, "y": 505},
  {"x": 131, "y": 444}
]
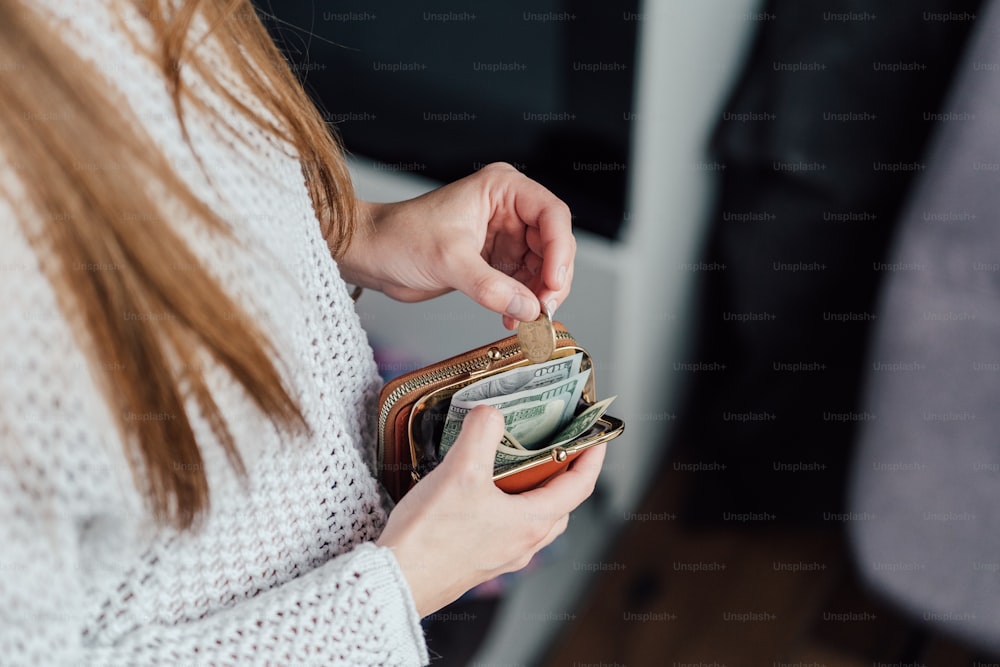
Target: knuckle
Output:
[
  {"x": 558, "y": 529},
  {"x": 499, "y": 166},
  {"x": 535, "y": 533},
  {"x": 522, "y": 561},
  {"x": 586, "y": 490},
  {"x": 563, "y": 210}
]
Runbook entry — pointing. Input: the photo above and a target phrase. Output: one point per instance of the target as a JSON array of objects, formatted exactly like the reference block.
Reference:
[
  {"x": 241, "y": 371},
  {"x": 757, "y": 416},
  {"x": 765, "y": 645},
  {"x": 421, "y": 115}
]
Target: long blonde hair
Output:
[{"x": 89, "y": 219}]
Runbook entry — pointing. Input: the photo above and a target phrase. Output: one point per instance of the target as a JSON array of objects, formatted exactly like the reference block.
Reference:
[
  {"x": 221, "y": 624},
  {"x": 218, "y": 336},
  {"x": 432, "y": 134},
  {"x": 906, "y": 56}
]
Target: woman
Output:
[{"x": 187, "y": 398}]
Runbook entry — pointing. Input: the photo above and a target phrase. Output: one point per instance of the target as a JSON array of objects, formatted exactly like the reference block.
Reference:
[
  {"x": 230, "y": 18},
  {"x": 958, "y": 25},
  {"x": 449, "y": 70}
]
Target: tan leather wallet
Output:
[{"x": 413, "y": 408}]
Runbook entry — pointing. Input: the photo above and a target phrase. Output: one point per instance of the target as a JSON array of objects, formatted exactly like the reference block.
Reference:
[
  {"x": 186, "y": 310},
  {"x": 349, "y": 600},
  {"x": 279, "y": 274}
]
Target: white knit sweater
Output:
[{"x": 283, "y": 570}]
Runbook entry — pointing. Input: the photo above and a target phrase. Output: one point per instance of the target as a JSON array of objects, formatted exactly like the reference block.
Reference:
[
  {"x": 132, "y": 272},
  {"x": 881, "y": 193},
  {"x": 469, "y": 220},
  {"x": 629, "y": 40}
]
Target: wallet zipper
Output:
[{"x": 448, "y": 371}]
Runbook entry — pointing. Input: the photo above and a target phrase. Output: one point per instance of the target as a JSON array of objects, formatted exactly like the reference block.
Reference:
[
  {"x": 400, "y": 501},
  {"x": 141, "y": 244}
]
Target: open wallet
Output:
[{"x": 414, "y": 409}]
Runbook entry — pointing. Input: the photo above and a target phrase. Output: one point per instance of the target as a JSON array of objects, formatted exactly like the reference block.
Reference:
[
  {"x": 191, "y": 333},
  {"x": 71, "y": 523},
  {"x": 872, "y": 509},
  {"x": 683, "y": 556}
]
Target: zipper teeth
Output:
[{"x": 434, "y": 376}]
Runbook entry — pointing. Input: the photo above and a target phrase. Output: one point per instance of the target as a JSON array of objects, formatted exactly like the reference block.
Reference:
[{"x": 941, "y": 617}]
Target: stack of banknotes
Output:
[{"x": 538, "y": 404}]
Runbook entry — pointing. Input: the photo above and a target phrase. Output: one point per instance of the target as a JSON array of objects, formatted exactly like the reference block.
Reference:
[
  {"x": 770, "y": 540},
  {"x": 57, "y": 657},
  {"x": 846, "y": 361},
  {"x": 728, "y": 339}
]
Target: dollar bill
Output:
[
  {"x": 534, "y": 425},
  {"x": 582, "y": 423},
  {"x": 541, "y": 412},
  {"x": 505, "y": 458},
  {"x": 521, "y": 379},
  {"x": 511, "y": 452}
]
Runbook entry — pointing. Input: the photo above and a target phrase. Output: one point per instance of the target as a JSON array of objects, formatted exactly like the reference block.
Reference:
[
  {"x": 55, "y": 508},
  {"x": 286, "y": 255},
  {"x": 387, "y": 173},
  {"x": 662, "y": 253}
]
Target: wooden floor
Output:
[{"x": 674, "y": 595}]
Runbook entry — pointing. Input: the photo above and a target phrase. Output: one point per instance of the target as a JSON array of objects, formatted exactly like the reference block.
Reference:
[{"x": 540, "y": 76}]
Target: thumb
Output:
[
  {"x": 496, "y": 290},
  {"x": 476, "y": 446}
]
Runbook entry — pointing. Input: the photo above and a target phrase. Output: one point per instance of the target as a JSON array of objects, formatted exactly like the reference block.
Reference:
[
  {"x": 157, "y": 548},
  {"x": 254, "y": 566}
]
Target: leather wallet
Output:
[{"x": 413, "y": 407}]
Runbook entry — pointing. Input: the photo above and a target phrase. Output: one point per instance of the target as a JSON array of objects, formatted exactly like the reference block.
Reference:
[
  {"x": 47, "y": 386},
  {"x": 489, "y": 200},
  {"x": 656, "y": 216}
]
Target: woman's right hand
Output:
[{"x": 456, "y": 529}]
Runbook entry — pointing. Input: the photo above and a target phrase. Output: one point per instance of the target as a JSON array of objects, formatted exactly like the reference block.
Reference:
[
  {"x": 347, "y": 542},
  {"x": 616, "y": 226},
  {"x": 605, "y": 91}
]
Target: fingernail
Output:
[
  {"x": 488, "y": 414},
  {"x": 495, "y": 417},
  {"x": 550, "y": 307},
  {"x": 520, "y": 309},
  {"x": 561, "y": 278}
]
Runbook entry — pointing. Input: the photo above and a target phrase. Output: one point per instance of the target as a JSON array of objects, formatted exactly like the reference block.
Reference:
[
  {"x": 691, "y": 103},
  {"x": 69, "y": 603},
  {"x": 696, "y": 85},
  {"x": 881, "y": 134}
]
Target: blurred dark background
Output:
[
  {"x": 518, "y": 82},
  {"x": 802, "y": 223}
]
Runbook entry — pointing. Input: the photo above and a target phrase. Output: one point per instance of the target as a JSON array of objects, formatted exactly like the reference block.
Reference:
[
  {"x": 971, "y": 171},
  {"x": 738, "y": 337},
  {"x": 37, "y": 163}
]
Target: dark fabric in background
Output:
[
  {"x": 925, "y": 476},
  {"x": 807, "y": 416}
]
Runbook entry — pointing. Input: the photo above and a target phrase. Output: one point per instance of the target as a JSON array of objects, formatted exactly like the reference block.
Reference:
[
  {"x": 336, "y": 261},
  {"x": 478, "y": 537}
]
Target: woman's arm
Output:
[{"x": 507, "y": 243}]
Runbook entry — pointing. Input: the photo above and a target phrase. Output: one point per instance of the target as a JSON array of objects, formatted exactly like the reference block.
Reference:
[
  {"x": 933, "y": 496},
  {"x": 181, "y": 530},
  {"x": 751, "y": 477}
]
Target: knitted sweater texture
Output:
[{"x": 282, "y": 569}]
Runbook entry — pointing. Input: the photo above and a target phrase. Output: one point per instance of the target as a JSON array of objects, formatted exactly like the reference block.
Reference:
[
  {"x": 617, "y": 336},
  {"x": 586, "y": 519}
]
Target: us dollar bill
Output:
[
  {"x": 582, "y": 423},
  {"x": 521, "y": 379},
  {"x": 511, "y": 452},
  {"x": 531, "y": 416}
]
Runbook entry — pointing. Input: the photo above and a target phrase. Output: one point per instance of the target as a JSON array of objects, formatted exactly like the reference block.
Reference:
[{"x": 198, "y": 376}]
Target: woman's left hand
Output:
[{"x": 497, "y": 236}]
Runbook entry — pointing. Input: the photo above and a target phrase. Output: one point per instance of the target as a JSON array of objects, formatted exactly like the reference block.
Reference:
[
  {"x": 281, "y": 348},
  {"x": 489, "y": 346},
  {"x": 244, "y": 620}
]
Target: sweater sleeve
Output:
[{"x": 356, "y": 609}]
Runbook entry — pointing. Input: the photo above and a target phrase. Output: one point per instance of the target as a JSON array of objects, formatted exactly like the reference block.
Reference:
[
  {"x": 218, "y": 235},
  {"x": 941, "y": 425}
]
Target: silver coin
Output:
[{"x": 537, "y": 339}]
